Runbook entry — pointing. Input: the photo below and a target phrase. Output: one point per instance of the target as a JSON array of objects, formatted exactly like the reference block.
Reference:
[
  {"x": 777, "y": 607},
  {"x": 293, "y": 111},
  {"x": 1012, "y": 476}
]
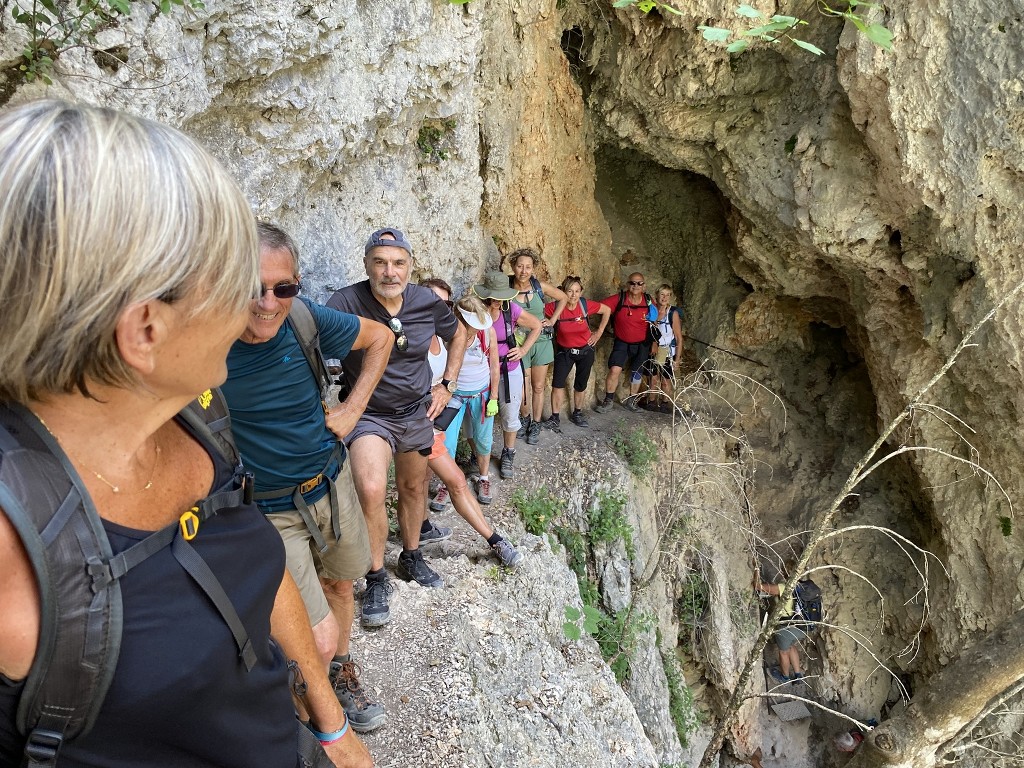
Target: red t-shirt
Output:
[
  {"x": 571, "y": 330},
  {"x": 630, "y": 321}
]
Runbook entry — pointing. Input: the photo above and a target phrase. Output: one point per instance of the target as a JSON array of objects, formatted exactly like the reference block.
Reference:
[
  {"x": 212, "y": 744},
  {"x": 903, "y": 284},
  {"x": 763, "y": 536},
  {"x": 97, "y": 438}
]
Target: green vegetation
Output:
[
  {"x": 691, "y": 606},
  {"x": 434, "y": 140},
  {"x": 591, "y": 621},
  {"x": 608, "y": 521},
  {"x": 685, "y": 715},
  {"x": 538, "y": 509},
  {"x": 780, "y": 28},
  {"x": 57, "y": 26},
  {"x": 638, "y": 450},
  {"x": 646, "y": 6}
]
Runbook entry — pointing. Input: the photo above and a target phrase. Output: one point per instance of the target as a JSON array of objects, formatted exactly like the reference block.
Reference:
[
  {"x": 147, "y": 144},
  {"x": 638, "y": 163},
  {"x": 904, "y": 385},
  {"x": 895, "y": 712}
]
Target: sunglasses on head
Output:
[
  {"x": 401, "y": 340},
  {"x": 636, "y": 282},
  {"x": 282, "y": 290}
]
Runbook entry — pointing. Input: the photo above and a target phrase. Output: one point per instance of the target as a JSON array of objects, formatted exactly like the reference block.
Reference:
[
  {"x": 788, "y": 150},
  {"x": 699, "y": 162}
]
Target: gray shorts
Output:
[
  {"x": 786, "y": 636},
  {"x": 405, "y": 434},
  {"x": 345, "y": 560}
]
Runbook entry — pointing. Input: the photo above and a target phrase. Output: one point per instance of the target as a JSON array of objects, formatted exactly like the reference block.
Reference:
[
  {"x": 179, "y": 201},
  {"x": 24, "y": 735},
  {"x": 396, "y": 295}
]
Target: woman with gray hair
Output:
[{"x": 130, "y": 258}]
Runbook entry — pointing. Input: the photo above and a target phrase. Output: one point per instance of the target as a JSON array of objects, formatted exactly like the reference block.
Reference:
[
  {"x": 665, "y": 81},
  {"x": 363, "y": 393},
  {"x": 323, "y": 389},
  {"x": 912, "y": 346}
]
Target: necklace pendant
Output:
[{"x": 115, "y": 489}]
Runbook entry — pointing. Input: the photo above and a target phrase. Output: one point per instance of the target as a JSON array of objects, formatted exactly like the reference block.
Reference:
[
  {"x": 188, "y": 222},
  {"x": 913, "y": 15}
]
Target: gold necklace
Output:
[{"x": 101, "y": 478}]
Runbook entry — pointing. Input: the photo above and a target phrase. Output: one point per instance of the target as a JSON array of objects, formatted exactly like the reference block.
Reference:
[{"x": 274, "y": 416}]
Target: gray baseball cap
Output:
[{"x": 377, "y": 239}]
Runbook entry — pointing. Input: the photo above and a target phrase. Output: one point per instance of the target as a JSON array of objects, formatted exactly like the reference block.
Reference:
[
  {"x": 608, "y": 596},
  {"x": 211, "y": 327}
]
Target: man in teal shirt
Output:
[{"x": 292, "y": 444}]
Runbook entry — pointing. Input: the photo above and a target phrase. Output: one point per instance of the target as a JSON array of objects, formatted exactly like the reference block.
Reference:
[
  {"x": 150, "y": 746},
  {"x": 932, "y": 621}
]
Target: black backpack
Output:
[
  {"x": 77, "y": 573},
  {"x": 303, "y": 325},
  {"x": 808, "y": 610}
]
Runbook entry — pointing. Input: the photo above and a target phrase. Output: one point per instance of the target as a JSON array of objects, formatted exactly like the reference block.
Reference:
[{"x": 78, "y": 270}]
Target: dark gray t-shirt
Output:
[{"x": 406, "y": 380}]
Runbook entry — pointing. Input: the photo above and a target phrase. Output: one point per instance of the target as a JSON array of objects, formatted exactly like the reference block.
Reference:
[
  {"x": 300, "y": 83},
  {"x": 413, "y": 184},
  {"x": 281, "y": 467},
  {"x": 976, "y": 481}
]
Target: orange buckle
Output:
[
  {"x": 309, "y": 485},
  {"x": 189, "y": 524}
]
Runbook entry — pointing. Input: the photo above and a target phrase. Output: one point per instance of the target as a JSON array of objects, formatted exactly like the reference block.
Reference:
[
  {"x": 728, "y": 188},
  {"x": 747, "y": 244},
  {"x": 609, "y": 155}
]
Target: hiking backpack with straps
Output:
[
  {"x": 652, "y": 332},
  {"x": 303, "y": 325},
  {"x": 807, "y": 607},
  {"x": 80, "y": 607}
]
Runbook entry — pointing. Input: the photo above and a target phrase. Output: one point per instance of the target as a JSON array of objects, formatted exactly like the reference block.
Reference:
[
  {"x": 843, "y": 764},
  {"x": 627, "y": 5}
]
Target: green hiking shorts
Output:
[{"x": 541, "y": 353}]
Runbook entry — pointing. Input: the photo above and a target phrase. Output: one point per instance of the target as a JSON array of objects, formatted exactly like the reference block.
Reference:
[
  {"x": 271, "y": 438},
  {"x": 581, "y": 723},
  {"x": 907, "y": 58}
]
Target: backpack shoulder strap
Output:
[
  {"x": 510, "y": 327},
  {"x": 79, "y": 634},
  {"x": 535, "y": 284},
  {"x": 209, "y": 417},
  {"x": 583, "y": 303},
  {"x": 622, "y": 300},
  {"x": 303, "y": 325}
]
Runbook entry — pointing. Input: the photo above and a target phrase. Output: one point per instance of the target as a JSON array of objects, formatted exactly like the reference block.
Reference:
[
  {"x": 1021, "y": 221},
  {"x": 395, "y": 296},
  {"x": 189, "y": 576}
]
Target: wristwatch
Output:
[{"x": 449, "y": 385}]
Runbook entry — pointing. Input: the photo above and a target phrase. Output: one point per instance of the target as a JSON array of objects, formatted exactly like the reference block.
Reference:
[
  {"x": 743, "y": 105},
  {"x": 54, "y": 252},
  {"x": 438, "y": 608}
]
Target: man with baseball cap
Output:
[{"x": 397, "y": 422}]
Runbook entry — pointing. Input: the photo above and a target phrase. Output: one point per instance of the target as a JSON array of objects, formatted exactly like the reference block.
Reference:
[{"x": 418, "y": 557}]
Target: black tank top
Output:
[{"x": 181, "y": 697}]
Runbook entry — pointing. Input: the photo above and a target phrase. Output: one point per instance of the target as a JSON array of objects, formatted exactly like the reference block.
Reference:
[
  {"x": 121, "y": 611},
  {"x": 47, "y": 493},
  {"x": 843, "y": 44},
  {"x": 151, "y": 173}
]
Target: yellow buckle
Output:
[
  {"x": 189, "y": 524},
  {"x": 312, "y": 483}
]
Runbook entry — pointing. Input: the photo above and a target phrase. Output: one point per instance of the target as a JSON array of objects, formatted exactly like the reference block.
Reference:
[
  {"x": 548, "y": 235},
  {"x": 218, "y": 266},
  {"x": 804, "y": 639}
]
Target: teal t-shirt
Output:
[{"x": 274, "y": 401}]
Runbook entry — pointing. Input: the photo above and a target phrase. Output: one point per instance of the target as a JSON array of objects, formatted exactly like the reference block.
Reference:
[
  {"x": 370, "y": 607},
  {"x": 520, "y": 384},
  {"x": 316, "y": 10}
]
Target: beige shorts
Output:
[{"x": 345, "y": 560}]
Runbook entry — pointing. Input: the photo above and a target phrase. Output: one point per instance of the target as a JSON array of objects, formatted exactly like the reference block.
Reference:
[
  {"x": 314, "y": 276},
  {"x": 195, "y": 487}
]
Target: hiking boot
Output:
[
  {"x": 577, "y": 418},
  {"x": 505, "y": 469},
  {"x": 374, "y": 611},
  {"x": 652, "y": 406},
  {"x": 666, "y": 408},
  {"x": 508, "y": 555},
  {"x": 604, "y": 405},
  {"x": 412, "y": 567},
  {"x": 776, "y": 673},
  {"x": 363, "y": 714},
  {"x": 483, "y": 490},
  {"x": 524, "y": 427},
  {"x": 533, "y": 433},
  {"x": 553, "y": 424},
  {"x": 435, "y": 533},
  {"x": 440, "y": 502},
  {"x": 630, "y": 404}
]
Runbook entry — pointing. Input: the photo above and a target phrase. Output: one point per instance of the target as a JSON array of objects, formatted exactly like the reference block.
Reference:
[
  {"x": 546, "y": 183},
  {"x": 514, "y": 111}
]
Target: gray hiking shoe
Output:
[
  {"x": 533, "y": 433},
  {"x": 577, "y": 418},
  {"x": 524, "y": 427},
  {"x": 483, "y": 490},
  {"x": 440, "y": 502},
  {"x": 505, "y": 468},
  {"x": 631, "y": 404},
  {"x": 553, "y": 424},
  {"x": 412, "y": 567},
  {"x": 435, "y": 533},
  {"x": 604, "y": 405},
  {"x": 363, "y": 714},
  {"x": 374, "y": 611},
  {"x": 508, "y": 555}
]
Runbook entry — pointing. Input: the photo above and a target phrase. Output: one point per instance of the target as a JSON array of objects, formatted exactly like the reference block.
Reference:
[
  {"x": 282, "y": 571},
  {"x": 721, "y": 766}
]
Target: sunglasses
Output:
[
  {"x": 401, "y": 340},
  {"x": 282, "y": 290},
  {"x": 636, "y": 282}
]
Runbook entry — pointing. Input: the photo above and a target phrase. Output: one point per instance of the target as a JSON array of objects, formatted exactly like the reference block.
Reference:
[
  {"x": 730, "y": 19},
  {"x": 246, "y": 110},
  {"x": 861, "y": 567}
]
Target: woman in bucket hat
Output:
[{"x": 507, "y": 316}]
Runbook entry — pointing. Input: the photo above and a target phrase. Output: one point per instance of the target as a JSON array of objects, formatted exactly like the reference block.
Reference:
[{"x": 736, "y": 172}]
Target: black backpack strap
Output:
[
  {"x": 303, "y": 324},
  {"x": 208, "y": 416}
]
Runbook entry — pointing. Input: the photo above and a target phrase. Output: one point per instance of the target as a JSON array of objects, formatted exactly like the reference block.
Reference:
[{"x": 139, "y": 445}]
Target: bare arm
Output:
[
  {"x": 533, "y": 324},
  {"x": 375, "y": 339},
  {"x": 289, "y": 625},
  {"x": 560, "y": 298},
  {"x": 604, "y": 314},
  {"x": 440, "y": 395},
  {"x": 19, "y": 595}
]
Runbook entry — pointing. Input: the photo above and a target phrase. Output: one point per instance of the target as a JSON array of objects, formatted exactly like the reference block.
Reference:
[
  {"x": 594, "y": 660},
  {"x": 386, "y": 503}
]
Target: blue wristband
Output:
[{"x": 330, "y": 738}]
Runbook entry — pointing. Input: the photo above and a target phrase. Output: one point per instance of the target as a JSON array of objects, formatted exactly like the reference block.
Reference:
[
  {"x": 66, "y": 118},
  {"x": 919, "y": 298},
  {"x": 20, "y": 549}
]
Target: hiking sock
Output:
[
  {"x": 577, "y": 412},
  {"x": 494, "y": 538},
  {"x": 378, "y": 575},
  {"x": 342, "y": 659},
  {"x": 556, "y": 418},
  {"x": 426, "y": 526},
  {"x": 608, "y": 397}
]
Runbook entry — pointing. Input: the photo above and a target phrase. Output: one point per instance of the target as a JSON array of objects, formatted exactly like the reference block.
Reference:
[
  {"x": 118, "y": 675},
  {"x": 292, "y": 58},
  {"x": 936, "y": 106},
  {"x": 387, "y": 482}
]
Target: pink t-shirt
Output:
[{"x": 500, "y": 329}]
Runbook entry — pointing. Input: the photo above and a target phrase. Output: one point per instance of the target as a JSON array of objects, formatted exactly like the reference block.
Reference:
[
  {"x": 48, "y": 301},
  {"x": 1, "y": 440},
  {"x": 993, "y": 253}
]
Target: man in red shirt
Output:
[{"x": 629, "y": 316}]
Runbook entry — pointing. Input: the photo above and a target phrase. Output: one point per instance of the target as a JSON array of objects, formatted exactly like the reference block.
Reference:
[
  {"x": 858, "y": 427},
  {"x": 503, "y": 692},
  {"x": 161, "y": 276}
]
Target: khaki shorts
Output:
[{"x": 345, "y": 560}]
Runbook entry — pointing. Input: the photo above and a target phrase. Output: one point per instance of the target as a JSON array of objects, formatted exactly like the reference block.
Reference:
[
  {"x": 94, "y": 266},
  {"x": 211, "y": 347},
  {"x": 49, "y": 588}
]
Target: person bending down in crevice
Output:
[{"x": 787, "y": 638}]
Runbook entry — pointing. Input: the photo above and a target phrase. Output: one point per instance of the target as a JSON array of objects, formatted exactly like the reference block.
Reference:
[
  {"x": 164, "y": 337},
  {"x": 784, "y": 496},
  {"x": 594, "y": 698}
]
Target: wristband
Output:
[{"x": 326, "y": 739}]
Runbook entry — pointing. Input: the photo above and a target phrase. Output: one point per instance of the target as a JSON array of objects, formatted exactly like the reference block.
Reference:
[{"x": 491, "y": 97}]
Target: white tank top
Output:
[{"x": 437, "y": 362}]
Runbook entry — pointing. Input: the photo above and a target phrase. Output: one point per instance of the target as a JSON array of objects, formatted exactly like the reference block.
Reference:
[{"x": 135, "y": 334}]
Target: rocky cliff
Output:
[{"x": 841, "y": 220}]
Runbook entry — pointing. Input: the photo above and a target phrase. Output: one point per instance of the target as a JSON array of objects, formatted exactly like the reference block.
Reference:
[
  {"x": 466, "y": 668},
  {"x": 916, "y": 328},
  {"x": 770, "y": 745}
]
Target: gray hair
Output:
[
  {"x": 273, "y": 238},
  {"x": 100, "y": 210}
]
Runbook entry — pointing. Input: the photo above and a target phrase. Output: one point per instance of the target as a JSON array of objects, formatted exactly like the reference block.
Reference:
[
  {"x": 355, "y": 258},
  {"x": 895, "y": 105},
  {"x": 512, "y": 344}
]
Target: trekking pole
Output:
[{"x": 741, "y": 357}]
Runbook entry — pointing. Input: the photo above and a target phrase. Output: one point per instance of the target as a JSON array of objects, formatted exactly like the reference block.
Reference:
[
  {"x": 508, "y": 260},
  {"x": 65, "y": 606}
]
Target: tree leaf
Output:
[
  {"x": 789, "y": 21},
  {"x": 764, "y": 29},
  {"x": 572, "y": 613},
  {"x": 807, "y": 46},
  {"x": 715, "y": 34},
  {"x": 646, "y": 6},
  {"x": 749, "y": 11},
  {"x": 571, "y": 631},
  {"x": 670, "y": 9},
  {"x": 738, "y": 46},
  {"x": 622, "y": 3},
  {"x": 880, "y": 36}
]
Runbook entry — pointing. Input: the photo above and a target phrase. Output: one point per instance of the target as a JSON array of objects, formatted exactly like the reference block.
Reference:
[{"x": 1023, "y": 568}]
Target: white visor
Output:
[{"x": 473, "y": 320}]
